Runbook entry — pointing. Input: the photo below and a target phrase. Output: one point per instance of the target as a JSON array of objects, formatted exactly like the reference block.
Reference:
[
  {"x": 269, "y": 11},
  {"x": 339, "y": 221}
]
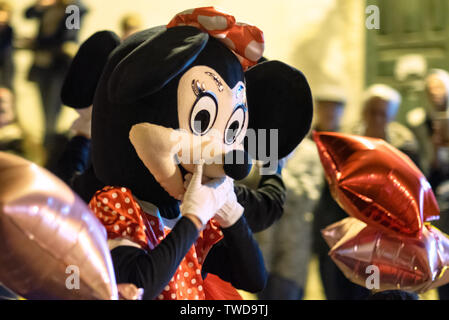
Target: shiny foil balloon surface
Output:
[
  {"x": 51, "y": 244},
  {"x": 403, "y": 262},
  {"x": 376, "y": 183}
]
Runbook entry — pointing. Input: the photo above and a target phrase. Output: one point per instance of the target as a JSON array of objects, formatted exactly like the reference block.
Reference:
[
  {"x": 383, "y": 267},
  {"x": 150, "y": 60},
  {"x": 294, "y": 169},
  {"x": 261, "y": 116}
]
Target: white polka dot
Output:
[
  {"x": 105, "y": 200},
  {"x": 173, "y": 295},
  {"x": 128, "y": 230},
  {"x": 137, "y": 229},
  {"x": 116, "y": 227},
  {"x": 189, "y": 291},
  {"x": 200, "y": 288},
  {"x": 127, "y": 200},
  {"x": 118, "y": 205},
  {"x": 176, "y": 286},
  {"x": 114, "y": 195},
  {"x": 193, "y": 281},
  {"x": 98, "y": 204},
  {"x": 254, "y": 50},
  {"x": 213, "y": 23},
  {"x": 167, "y": 288},
  {"x": 114, "y": 212},
  {"x": 186, "y": 274},
  {"x": 106, "y": 219},
  {"x": 196, "y": 297},
  {"x": 124, "y": 233},
  {"x": 183, "y": 284},
  {"x": 122, "y": 218},
  {"x": 198, "y": 271},
  {"x": 160, "y": 297},
  {"x": 180, "y": 294},
  {"x": 130, "y": 211},
  {"x": 178, "y": 277},
  {"x": 190, "y": 264},
  {"x": 172, "y": 279},
  {"x": 194, "y": 255},
  {"x": 152, "y": 223},
  {"x": 123, "y": 189},
  {"x": 105, "y": 209}
]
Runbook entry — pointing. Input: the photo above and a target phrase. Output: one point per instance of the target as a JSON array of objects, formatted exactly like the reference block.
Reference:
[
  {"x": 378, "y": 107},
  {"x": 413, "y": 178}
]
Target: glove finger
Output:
[{"x": 197, "y": 175}]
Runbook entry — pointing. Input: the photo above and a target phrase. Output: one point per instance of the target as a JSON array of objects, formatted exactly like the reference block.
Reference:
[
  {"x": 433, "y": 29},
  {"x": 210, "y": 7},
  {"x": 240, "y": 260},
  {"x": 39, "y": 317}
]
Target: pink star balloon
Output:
[
  {"x": 52, "y": 246},
  {"x": 402, "y": 262},
  {"x": 376, "y": 183}
]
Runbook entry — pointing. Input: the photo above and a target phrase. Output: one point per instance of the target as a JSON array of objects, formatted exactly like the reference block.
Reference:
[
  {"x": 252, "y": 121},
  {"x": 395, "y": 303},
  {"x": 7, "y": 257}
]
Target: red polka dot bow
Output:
[{"x": 246, "y": 41}]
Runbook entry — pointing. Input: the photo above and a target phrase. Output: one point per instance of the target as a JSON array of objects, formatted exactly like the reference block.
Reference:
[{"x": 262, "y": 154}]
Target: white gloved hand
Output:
[
  {"x": 230, "y": 212},
  {"x": 204, "y": 200}
]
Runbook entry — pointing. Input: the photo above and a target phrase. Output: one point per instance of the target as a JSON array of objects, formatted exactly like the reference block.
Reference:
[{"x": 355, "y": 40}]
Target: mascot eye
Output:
[
  {"x": 203, "y": 114},
  {"x": 235, "y": 125}
]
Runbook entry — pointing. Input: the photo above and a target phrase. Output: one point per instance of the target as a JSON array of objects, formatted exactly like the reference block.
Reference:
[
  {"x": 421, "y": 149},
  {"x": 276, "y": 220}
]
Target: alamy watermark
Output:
[
  {"x": 373, "y": 19},
  {"x": 373, "y": 280},
  {"x": 72, "y": 282},
  {"x": 262, "y": 144},
  {"x": 73, "y": 20}
]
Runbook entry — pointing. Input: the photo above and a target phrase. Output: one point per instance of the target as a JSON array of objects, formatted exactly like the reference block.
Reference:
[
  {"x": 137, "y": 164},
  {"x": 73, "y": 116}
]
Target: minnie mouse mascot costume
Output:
[{"x": 175, "y": 227}]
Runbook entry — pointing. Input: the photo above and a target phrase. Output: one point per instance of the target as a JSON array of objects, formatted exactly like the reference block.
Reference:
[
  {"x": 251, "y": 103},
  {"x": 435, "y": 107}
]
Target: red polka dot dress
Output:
[{"x": 124, "y": 218}]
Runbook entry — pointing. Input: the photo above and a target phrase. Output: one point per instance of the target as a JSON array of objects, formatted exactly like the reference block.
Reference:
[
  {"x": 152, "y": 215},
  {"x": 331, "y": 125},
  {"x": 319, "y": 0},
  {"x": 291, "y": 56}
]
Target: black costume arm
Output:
[
  {"x": 74, "y": 160},
  {"x": 265, "y": 205},
  {"x": 237, "y": 259},
  {"x": 153, "y": 270}
]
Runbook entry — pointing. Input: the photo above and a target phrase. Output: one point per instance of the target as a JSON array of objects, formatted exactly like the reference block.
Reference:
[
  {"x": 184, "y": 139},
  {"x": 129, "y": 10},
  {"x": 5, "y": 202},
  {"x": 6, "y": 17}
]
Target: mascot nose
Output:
[{"x": 237, "y": 164}]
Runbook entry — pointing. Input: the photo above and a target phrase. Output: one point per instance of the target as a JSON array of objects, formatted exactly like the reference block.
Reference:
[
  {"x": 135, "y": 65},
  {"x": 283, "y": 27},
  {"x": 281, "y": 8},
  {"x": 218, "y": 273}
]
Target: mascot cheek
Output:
[
  {"x": 161, "y": 149},
  {"x": 154, "y": 145}
]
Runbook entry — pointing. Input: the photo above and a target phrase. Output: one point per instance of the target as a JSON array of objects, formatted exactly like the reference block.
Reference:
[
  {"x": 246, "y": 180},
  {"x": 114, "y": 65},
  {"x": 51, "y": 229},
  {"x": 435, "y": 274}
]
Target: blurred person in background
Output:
[
  {"x": 11, "y": 133},
  {"x": 287, "y": 245},
  {"x": 380, "y": 106},
  {"x": 53, "y": 47},
  {"x": 130, "y": 24},
  {"x": 437, "y": 89},
  {"x": 6, "y": 46}
]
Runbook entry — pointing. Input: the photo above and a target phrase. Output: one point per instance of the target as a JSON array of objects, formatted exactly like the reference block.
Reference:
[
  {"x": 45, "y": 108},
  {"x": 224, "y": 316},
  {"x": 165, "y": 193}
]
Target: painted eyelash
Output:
[
  {"x": 198, "y": 87},
  {"x": 217, "y": 81}
]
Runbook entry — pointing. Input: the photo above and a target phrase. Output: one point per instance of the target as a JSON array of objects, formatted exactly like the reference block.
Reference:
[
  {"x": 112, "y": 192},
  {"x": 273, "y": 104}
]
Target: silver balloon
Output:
[{"x": 52, "y": 246}]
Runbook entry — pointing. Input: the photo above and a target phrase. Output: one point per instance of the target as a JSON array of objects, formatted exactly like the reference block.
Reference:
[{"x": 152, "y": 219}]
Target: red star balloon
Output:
[
  {"x": 52, "y": 246},
  {"x": 382, "y": 260},
  {"x": 376, "y": 183}
]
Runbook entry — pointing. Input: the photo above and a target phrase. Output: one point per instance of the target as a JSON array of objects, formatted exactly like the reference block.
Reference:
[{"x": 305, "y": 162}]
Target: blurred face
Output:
[
  {"x": 328, "y": 115},
  {"x": 6, "y": 107},
  {"x": 436, "y": 92},
  {"x": 376, "y": 117},
  {"x": 4, "y": 17}
]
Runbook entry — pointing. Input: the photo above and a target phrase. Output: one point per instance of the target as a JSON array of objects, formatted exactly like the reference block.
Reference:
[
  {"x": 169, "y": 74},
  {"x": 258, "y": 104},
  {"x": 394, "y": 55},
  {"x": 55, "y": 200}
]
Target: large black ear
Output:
[
  {"x": 279, "y": 97},
  {"x": 159, "y": 59},
  {"x": 87, "y": 66}
]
